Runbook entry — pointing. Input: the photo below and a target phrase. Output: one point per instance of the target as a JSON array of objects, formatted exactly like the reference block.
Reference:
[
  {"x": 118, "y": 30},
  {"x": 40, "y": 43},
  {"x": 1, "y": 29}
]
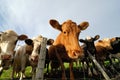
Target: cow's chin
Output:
[
  {"x": 71, "y": 56},
  {"x": 34, "y": 63},
  {"x": 6, "y": 67},
  {"x": 5, "y": 64}
]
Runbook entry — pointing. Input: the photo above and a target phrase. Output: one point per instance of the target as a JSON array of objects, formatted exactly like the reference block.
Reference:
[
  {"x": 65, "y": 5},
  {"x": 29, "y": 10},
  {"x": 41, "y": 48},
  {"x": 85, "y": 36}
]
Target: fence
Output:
[{"x": 41, "y": 61}]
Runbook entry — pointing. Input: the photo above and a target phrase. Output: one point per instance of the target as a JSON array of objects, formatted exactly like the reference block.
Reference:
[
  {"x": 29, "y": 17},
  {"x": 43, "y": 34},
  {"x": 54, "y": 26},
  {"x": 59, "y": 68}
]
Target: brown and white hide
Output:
[
  {"x": 26, "y": 55},
  {"x": 8, "y": 40}
]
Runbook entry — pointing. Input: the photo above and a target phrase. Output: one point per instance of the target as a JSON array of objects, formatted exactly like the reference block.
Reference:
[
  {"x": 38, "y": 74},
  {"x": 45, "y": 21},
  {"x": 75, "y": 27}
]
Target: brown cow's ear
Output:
[
  {"x": 83, "y": 25},
  {"x": 96, "y": 37},
  {"x": 55, "y": 24},
  {"x": 29, "y": 41},
  {"x": 22, "y": 37},
  {"x": 50, "y": 41}
]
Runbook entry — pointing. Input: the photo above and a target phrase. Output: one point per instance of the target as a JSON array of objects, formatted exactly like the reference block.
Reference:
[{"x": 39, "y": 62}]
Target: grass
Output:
[{"x": 6, "y": 75}]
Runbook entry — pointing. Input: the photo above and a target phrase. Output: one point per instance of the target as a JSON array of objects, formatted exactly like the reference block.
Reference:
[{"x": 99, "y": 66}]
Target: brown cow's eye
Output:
[{"x": 64, "y": 32}]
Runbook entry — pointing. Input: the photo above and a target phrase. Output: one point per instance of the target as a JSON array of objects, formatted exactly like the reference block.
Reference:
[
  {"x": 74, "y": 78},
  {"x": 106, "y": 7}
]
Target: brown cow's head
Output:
[
  {"x": 33, "y": 46},
  {"x": 50, "y": 41},
  {"x": 8, "y": 40},
  {"x": 69, "y": 36},
  {"x": 106, "y": 43}
]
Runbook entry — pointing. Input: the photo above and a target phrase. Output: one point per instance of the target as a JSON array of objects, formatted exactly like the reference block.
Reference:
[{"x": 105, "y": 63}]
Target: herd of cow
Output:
[{"x": 65, "y": 48}]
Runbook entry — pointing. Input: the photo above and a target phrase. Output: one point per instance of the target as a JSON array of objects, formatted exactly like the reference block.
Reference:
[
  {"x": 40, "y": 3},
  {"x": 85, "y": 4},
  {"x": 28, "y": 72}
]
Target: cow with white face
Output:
[
  {"x": 8, "y": 40},
  {"x": 27, "y": 55},
  {"x": 35, "y": 43}
]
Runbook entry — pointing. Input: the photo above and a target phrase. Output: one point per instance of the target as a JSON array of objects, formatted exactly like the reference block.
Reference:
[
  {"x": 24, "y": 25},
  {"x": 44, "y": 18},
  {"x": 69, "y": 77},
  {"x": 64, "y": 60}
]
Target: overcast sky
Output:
[{"x": 32, "y": 17}]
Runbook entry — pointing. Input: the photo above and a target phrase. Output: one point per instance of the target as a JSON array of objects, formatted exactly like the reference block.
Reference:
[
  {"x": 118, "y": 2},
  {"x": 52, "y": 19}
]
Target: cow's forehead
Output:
[
  {"x": 88, "y": 37},
  {"x": 11, "y": 33},
  {"x": 105, "y": 42},
  {"x": 70, "y": 26},
  {"x": 106, "y": 39},
  {"x": 37, "y": 39},
  {"x": 68, "y": 22}
]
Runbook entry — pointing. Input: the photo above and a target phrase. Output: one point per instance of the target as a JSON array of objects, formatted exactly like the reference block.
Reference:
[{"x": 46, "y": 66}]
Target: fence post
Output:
[
  {"x": 99, "y": 67},
  {"x": 41, "y": 61}
]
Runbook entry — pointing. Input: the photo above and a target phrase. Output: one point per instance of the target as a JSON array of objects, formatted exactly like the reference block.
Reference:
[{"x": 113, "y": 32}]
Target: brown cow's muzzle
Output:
[
  {"x": 34, "y": 59},
  {"x": 75, "y": 54},
  {"x": 6, "y": 61},
  {"x": 6, "y": 57}
]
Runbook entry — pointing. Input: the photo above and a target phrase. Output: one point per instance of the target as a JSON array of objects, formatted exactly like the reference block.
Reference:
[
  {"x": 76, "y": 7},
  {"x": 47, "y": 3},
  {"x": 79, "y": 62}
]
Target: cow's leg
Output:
[
  {"x": 62, "y": 66},
  {"x": 33, "y": 72},
  {"x": 88, "y": 61},
  {"x": 112, "y": 67},
  {"x": 86, "y": 65},
  {"x": 71, "y": 71},
  {"x": 47, "y": 66},
  {"x": 13, "y": 71},
  {"x": 23, "y": 66},
  {"x": 21, "y": 76},
  {"x": 1, "y": 68}
]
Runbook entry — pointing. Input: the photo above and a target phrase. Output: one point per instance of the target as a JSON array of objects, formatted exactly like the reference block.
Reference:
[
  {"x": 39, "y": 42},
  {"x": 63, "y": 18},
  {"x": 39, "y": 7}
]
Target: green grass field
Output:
[{"x": 6, "y": 75}]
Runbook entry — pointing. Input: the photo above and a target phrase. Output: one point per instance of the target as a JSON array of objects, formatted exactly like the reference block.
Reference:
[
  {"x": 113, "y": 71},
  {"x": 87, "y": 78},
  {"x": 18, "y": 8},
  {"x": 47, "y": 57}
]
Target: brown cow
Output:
[
  {"x": 102, "y": 47},
  {"x": 8, "y": 40},
  {"x": 105, "y": 48},
  {"x": 66, "y": 47}
]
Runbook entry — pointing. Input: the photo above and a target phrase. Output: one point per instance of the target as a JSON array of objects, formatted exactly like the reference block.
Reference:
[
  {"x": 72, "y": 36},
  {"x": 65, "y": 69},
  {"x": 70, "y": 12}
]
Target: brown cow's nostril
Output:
[
  {"x": 34, "y": 58},
  {"x": 77, "y": 53},
  {"x": 74, "y": 53}
]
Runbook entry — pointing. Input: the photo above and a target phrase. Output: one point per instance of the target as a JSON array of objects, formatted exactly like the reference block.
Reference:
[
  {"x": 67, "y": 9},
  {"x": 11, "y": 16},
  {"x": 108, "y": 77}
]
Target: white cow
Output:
[
  {"x": 8, "y": 40},
  {"x": 27, "y": 55}
]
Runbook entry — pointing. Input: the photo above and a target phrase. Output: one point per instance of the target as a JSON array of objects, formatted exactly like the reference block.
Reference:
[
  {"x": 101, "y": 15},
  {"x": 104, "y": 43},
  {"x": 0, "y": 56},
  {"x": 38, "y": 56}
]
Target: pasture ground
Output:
[{"x": 79, "y": 74}]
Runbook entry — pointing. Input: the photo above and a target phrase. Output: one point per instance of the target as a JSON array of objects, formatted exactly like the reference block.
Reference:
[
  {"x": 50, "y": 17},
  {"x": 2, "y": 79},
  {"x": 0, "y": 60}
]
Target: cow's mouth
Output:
[
  {"x": 34, "y": 59},
  {"x": 75, "y": 54},
  {"x": 6, "y": 64},
  {"x": 6, "y": 57},
  {"x": 34, "y": 62}
]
